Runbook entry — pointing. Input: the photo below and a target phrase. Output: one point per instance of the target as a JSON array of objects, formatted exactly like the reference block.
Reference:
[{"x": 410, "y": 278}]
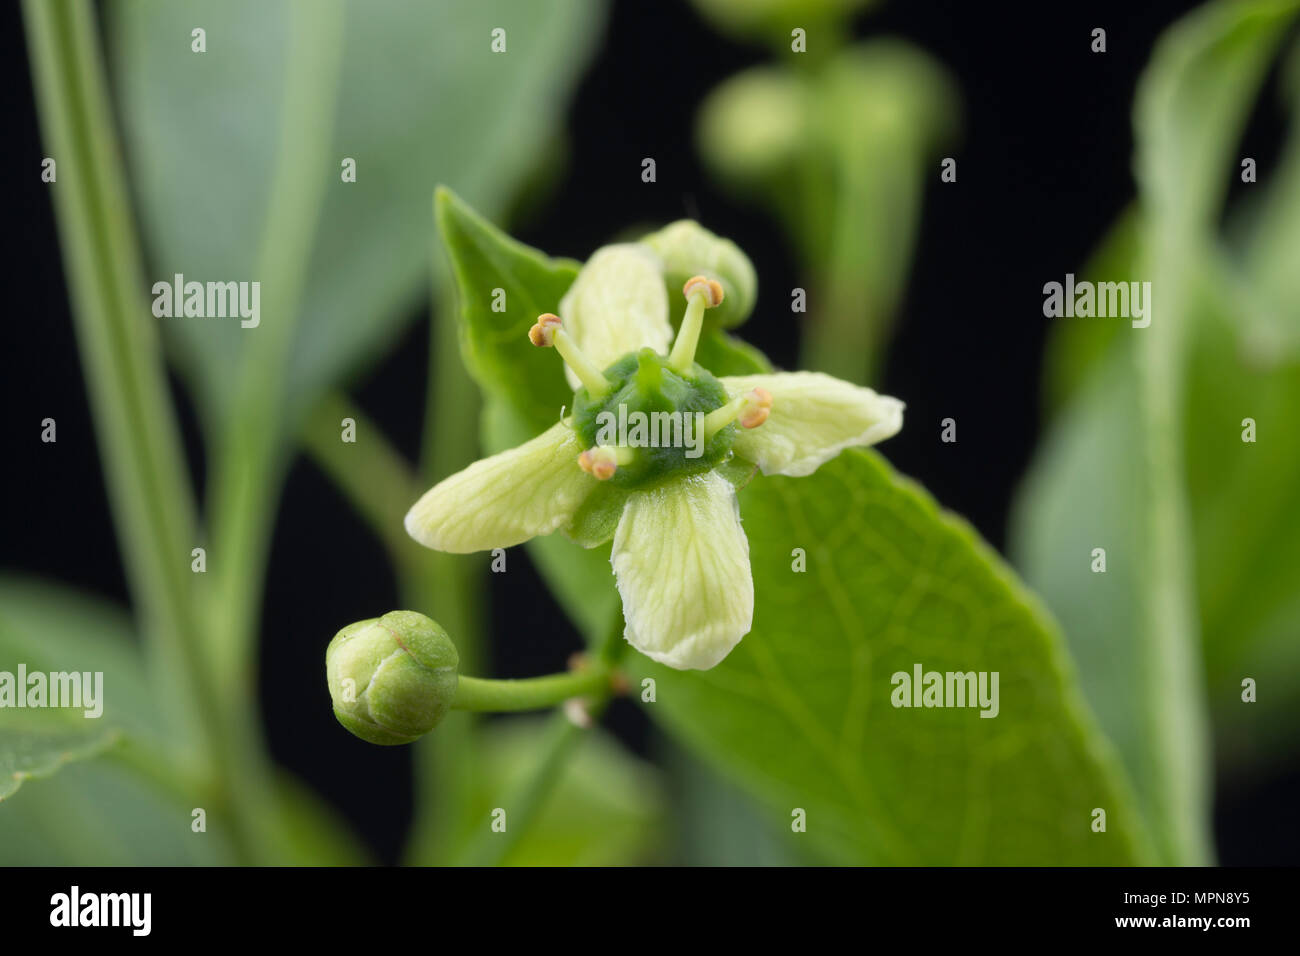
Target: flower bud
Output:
[
  {"x": 392, "y": 678},
  {"x": 686, "y": 250}
]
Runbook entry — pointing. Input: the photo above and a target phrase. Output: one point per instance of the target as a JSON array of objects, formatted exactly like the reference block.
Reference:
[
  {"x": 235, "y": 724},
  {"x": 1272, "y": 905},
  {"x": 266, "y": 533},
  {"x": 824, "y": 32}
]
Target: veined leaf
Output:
[{"x": 801, "y": 711}]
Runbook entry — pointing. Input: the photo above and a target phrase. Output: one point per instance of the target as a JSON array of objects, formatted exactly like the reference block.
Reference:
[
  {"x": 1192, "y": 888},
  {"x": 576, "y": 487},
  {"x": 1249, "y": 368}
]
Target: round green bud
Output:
[
  {"x": 392, "y": 678},
  {"x": 687, "y": 249},
  {"x": 753, "y": 127}
]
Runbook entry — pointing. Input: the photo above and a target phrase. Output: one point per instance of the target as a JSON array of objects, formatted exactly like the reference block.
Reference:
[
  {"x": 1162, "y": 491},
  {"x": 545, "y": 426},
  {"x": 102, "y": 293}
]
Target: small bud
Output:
[
  {"x": 711, "y": 287},
  {"x": 392, "y": 678},
  {"x": 542, "y": 334}
]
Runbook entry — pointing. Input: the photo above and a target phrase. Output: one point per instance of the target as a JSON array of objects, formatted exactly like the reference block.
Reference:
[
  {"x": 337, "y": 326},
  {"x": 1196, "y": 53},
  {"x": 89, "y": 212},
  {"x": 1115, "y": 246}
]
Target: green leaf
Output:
[
  {"x": 800, "y": 713},
  {"x": 422, "y": 99},
  {"x": 1113, "y": 472},
  {"x": 1246, "y": 519},
  {"x": 94, "y": 811},
  {"x": 40, "y": 750},
  {"x": 529, "y": 380},
  {"x": 606, "y": 809},
  {"x": 52, "y": 628},
  {"x": 97, "y": 813}
]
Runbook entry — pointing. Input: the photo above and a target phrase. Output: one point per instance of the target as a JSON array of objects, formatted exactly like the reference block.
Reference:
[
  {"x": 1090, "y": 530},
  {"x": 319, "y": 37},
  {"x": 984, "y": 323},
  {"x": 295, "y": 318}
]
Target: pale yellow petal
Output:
[
  {"x": 813, "y": 418},
  {"x": 682, "y": 562},
  {"x": 618, "y": 304},
  {"x": 506, "y": 499}
]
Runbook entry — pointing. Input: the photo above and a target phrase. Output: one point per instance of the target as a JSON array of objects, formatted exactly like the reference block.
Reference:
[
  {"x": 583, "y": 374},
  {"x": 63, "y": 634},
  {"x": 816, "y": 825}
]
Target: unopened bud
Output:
[{"x": 392, "y": 678}]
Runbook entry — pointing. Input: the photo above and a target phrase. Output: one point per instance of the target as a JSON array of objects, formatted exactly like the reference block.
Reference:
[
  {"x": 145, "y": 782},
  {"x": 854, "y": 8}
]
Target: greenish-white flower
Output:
[{"x": 680, "y": 554}]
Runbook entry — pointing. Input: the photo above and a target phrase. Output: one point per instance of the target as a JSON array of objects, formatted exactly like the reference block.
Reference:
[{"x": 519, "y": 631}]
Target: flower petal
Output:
[
  {"x": 682, "y": 561},
  {"x": 506, "y": 499},
  {"x": 618, "y": 304},
  {"x": 814, "y": 417}
]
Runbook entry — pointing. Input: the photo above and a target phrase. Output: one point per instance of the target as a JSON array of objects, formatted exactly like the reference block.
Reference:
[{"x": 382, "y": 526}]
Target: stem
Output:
[
  {"x": 139, "y": 442},
  {"x": 248, "y": 462},
  {"x": 445, "y": 762},
  {"x": 682, "y": 356},
  {"x": 531, "y": 693},
  {"x": 373, "y": 475},
  {"x": 1174, "y": 710},
  {"x": 525, "y": 803},
  {"x": 588, "y": 372},
  {"x": 247, "y": 475}
]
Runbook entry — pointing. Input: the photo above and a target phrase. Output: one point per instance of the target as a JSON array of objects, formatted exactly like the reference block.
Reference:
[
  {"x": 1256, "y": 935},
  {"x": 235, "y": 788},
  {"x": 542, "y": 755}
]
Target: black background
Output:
[{"x": 1043, "y": 168}]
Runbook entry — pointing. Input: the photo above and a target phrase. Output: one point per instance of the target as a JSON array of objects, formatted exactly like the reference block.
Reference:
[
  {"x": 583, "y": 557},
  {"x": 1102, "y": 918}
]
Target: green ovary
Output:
[{"x": 657, "y": 414}]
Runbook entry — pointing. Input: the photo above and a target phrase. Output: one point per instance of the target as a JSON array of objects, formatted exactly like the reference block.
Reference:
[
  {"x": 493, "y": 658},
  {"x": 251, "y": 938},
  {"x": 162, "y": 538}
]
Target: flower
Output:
[{"x": 645, "y": 457}]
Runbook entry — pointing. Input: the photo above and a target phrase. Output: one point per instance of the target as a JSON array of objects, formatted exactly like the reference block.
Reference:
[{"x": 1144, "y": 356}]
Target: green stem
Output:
[
  {"x": 446, "y": 762},
  {"x": 530, "y": 693},
  {"x": 524, "y": 804},
  {"x": 249, "y": 463},
  {"x": 1174, "y": 711},
  {"x": 139, "y": 441},
  {"x": 373, "y": 475}
]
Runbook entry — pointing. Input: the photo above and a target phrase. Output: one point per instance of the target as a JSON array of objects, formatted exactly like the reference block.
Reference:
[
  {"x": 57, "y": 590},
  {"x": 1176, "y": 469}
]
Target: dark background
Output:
[{"x": 1043, "y": 168}]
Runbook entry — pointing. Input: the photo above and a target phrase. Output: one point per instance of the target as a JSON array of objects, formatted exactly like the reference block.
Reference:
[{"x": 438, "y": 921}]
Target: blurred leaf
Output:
[
  {"x": 606, "y": 809},
  {"x": 423, "y": 100},
  {"x": 1247, "y": 525},
  {"x": 718, "y": 824},
  {"x": 33, "y": 748},
  {"x": 800, "y": 713},
  {"x": 1076, "y": 347},
  {"x": 495, "y": 344},
  {"x": 1094, "y": 481},
  {"x": 49, "y": 627},
  {"x": 94, "y": 812},
  {"x": 97, "y": 813}
]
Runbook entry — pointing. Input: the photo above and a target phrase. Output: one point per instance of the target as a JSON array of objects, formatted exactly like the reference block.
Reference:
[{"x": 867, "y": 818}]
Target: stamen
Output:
[
  {"x": 602, "y": 461},
  {"x": 701, "y": 294},
  {"x": 547, "y": 332},
  {"x": 751, "y": 409}
]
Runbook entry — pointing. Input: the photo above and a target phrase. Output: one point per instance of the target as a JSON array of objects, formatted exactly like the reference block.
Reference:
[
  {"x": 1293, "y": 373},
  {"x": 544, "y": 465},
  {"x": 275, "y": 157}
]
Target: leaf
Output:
[
  {"x": 93, "y": 811},
  {"x": 96, "y": 813},
  {"x": 52, "y": 628},
  {"x": 1112, "y": 472},
  {"x": 800, "y": 713},
  {"x": 38, "y": 750},
  {"x": 606, "y": 809},
  {"x": 495, "y": 345},
  {"x": 422, "y": 99}
]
